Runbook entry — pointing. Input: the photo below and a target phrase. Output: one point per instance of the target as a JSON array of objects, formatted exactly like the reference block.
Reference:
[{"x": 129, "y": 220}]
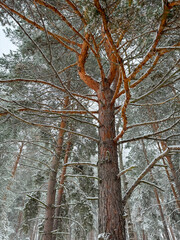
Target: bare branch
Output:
[
  {"x": 88, "y": 80},
  {"x": 155, "y": 121},
  {"x": 72, "y": 5}
]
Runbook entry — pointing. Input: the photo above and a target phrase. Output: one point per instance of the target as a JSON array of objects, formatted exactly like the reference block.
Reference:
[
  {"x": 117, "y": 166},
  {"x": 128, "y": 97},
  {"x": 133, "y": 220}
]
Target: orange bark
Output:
[
  {"x": 111, "y": 221},
  {"x": 81, "y": 66},
  {"x": 61, "y": 188},
  {"x": 59, "y": 38},
  {"x": 16, "y": 165},
  {"x": 111, "y": 218},
  {"x": 51, "y": 193}
]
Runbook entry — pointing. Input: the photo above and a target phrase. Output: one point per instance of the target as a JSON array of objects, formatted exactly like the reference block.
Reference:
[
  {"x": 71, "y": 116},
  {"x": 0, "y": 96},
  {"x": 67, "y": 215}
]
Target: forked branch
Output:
[
  {"x": 147, "y": 170},
  {"x": 59, "y": 38}
]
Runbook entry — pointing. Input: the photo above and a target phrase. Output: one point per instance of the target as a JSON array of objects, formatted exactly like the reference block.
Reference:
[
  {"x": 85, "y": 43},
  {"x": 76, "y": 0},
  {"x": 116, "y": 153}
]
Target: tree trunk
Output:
[
  {"x": 172, "y": 232},
  {"x": 173, "y": 170},
  {"x": 48, "y": 227},
  {"x": 111, "y": 221},
  {"x": 166, "y": 233},
  {"x": 144, "y": 235},
  {"x": 51, "y": 193},
  {"x": 164, "y": 147},
  {"x": 61, "y": 188},
  {"x": 171, "y": 184},
  {"x": 129, "y": 223}
]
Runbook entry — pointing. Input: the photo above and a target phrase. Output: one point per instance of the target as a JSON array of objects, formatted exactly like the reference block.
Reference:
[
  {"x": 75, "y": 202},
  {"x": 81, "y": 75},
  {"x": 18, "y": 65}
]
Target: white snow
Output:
[{"x": 104, "y": 236}]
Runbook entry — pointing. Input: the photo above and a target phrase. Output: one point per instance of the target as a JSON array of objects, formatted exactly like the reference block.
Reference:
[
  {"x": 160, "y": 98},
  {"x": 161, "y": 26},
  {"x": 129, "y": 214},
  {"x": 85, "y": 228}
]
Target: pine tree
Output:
[{"x": 115, "y": 54}]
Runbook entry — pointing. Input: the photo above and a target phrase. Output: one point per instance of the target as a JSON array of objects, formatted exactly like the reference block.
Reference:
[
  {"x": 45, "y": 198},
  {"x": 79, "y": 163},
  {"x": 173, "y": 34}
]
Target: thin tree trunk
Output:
[
  {"x": 162, "y": 215},
  {"x": 15, "y": 167},
  {"x": 51, "y": 193},
  {"x": 34, "y": 231},
  {"x": 129, "y": 223},
  {"x": 164, "y": 147},
  {"x": 143, "y": 235},
  {"x": 61, "y": 188},
  {"x": 170, "y": 181},
  {"x": 111, "y": 221},
  {"x": 19, "y": 221},
  {"x": 136, "y": 238},
  {"x": 157, "y": 197},
  {"x": 172, "y": 233},
  {"x": 173, "y": 171}
]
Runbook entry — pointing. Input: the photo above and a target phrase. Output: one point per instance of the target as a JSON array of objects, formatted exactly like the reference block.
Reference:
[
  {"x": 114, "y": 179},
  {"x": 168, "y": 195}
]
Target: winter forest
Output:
[{"x": 89, "y": 120}]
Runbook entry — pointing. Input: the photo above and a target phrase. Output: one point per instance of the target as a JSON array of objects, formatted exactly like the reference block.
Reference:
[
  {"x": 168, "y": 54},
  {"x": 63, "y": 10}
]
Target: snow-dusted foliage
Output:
[{"x": 88, "y": 78}]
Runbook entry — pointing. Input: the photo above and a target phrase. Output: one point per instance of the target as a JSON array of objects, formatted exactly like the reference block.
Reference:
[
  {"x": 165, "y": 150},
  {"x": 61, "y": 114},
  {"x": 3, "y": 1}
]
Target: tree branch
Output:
[
  {"x": 49, "y": 126},
  {"x": 80, "y": 163},
  {"x": 59, "y": 38},
  {"x": 88, "y": 80},
  {"x": 48, "y": 111},
  {"x": 39, "y": 201},
  {"x": 149, "y": 135},
  {"x": 126, "y": 170},
  {"x": 152, "y": 184},
  {"x": 152, "y": 50},
  {"x": 146, "y": 170},
  {"x": 46, "y": 83},
  {"x": 76, "y": 11},
  {"x": 174, "y": 3}
]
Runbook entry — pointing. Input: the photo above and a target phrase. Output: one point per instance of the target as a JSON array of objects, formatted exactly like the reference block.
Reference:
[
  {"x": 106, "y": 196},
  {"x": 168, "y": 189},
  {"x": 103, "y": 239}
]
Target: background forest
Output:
[{"x": 55, "y": 165}]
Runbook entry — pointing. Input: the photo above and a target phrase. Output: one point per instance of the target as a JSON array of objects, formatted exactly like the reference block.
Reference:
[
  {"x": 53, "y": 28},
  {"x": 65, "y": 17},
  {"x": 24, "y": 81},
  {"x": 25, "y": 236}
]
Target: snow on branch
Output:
[
  {"x": 147, "y": 169},
  {"x": 83, "y": 176},
  {"x": 40, "y": 81},
  {"x": 126, "y": 170},
  {"x": 47, "y": 126},
  {"x": 92, "y": 198},
  {"x": 80, "y": 163},
  {"x": 34, "y": 198},
  {"x": 152, "y": 184},
  {"x": 148, "y": 136}
]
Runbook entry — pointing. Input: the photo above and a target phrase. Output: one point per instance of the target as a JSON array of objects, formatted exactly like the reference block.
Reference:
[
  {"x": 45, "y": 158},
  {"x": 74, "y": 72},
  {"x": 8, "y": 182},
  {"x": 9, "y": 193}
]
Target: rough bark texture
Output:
[
  {"x": 51, "y": 193},
  {"x": 111, "y": 221},
  {"x": 61, "y": 189},
  {"x": 48, "y": 227}
]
